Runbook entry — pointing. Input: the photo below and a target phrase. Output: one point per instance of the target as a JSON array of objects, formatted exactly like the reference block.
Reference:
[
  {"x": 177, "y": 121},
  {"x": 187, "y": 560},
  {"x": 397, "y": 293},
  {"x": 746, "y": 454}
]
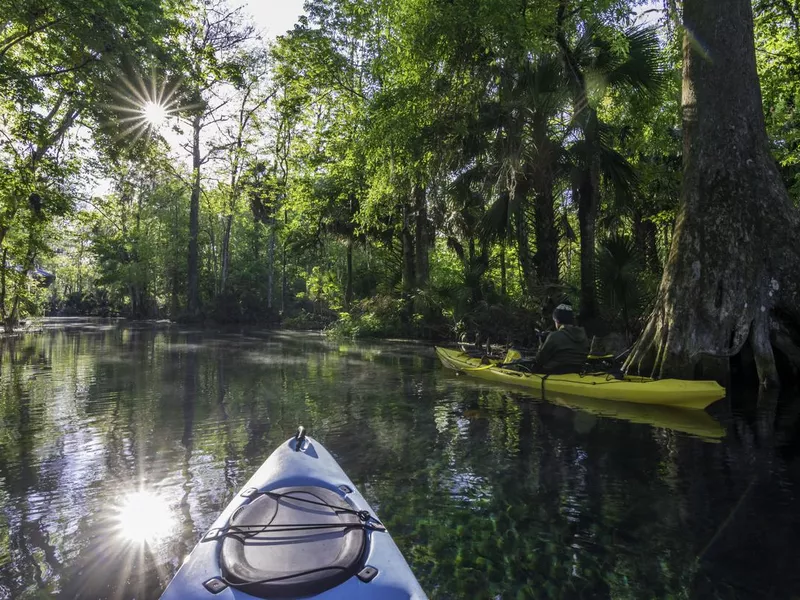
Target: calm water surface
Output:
[{"x": 489, "y": 493}]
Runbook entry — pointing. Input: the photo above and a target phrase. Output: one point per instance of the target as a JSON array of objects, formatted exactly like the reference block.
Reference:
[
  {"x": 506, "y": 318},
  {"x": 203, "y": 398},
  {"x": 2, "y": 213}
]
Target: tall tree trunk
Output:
[
  {"x": 588, "y": 204},
  {"x": 422, "y": 245},
  {"x": 226, "y": 253},
  {"x": 503, "y": 270},
  {"x": 519, "y": 199},
  {"x": 271, "y": 264},
  {"x": 283, "y": 277},
  {"x": 651, "y": 247},
  {"x": 541, "y": 172},
  {"x": 193, "y": 291},
  {"x": 283, "y": 280},
  {"x": 587, "y": 189},
  {"x": 546, "y": 256},
  {"x": 409, "y": 276},
  {"x": 733, "y": 274},
  {"x": 3, "y": 286},
  {"x": 348, "y": 289},
  {"x": 644, "y": 238},
  {"x": 407, "y": 240}
]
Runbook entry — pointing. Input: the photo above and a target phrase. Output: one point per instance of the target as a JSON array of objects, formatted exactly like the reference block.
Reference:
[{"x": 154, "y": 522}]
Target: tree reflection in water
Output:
[{"x": 488, "y": 492}]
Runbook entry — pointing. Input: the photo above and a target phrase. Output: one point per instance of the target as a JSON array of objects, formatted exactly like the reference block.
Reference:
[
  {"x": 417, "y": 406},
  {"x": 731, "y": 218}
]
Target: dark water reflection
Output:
[{"x": 488, "y": 492}]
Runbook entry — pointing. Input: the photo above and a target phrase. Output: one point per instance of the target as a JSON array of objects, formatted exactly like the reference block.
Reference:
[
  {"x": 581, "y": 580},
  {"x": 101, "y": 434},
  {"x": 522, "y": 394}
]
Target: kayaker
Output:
[{"x": 564, "y": 350}]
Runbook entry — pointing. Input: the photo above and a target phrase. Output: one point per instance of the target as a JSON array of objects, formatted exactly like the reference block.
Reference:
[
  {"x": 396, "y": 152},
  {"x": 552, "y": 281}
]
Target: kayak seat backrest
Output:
[{"x": 269, "y": 553}]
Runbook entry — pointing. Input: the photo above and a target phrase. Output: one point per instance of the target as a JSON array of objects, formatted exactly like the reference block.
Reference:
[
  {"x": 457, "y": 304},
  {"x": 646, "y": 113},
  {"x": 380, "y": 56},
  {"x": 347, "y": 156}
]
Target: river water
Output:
[{"x": 120, "y": 444}]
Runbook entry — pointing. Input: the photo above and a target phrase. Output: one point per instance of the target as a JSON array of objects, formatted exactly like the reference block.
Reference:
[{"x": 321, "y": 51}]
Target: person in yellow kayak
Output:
[{"x": 564, "y": 350}]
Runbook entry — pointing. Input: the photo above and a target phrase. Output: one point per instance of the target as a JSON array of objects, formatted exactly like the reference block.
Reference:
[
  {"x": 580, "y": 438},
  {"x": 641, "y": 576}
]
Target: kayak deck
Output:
[
  {"x": 299, "y": 528},
  {"x": 639, "y": 390}
]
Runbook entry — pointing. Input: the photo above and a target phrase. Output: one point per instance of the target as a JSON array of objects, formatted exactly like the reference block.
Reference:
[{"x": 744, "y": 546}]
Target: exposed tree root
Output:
[{"x": 666, "y": 350}]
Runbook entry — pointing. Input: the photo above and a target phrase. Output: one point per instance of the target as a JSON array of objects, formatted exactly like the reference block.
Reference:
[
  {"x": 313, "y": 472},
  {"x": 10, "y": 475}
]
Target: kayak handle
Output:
[{"x": 299, "y": 437}]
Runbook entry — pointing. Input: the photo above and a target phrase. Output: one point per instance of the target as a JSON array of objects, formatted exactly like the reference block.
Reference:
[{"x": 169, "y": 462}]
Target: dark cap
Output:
[{"x": 564, "y": 314}]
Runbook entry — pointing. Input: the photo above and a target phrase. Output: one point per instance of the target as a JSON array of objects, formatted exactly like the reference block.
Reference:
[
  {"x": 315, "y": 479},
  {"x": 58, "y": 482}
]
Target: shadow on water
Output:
[{"x": 489, "y": 492}]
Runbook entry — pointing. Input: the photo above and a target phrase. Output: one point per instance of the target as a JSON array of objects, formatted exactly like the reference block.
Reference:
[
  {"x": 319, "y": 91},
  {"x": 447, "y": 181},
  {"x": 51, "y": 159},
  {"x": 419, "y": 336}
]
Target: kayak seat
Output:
[{"x": 298, "y": 541}]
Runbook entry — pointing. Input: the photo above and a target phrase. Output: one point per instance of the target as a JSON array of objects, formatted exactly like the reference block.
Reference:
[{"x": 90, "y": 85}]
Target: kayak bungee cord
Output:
[
  {"x": 368, "y": 522},
  {"x": 245, "y": 532}
]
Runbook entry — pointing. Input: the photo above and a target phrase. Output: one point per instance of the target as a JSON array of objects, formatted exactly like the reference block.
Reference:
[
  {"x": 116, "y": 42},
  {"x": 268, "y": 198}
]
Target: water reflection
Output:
[{"x": 489, "y": 492}]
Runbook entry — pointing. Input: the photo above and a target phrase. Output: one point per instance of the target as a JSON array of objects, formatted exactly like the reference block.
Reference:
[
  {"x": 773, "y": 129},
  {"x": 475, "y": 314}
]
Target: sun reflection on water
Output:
[{"x": 145, "y": 517}]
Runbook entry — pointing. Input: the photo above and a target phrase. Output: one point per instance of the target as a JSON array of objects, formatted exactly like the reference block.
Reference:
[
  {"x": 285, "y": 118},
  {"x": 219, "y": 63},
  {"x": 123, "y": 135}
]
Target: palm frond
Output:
[
  {"x": 496, "y": 222},
  {"x": 622, "y": 290},
  {"x": 617, "y": 172},
  {"x": 642, "y": 72}
]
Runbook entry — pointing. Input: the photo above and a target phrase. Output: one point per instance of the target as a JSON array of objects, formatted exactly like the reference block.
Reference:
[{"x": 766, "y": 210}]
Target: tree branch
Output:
[
  {"x": 11, "y": 41},
  {"x": 56, "y": 72}
]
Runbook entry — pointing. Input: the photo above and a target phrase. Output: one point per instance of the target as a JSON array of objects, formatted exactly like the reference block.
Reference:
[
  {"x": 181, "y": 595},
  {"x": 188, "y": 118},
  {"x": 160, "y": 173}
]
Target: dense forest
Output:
[{"x": 428, "y": 168}]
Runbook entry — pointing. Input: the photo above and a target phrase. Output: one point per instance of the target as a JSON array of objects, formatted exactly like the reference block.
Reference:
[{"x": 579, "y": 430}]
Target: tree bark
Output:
[
  {"x": 283, "y": 277},
  {"x": 348, "y": 289},
  {"x": 646, "y": 242},
  {"x": 226, "y": 253},
  {"x": 543, "y": 177},
  {"x": 503, "y": 270},
  {"x": 409, "y": 275},
  {"x": 193, "y": 288},
  {"x": 588, "y": 204},
  {"x": 588, "y": 184},
  {"x": 271, "y": 264},
  {"x": 3, "y": 286},
  {"x": 519, "y": 196},
  {"x": 407, "y": 239},
  {"x": 733, "y": 273},
  {"x": 422, "y": 246},
  {"x": 546, "y": 256}
]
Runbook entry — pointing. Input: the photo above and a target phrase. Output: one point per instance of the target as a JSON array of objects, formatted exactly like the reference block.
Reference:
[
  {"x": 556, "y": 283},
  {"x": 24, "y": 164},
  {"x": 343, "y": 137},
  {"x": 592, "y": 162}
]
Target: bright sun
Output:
[
  {"x": 143, "y": 105},
  {"x": 144, "y": 517},
  {"x": 154, "y": 113}
]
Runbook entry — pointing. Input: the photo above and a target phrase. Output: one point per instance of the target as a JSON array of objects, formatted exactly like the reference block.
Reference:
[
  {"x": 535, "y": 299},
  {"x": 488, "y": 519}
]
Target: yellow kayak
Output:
[{"x": 640, "y": 390}]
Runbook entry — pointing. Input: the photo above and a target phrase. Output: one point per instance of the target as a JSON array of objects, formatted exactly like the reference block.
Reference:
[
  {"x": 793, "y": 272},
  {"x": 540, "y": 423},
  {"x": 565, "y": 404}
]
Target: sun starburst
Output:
[
  {"x": 155, "y": 114},
  {"x": 144, "y": 106}
]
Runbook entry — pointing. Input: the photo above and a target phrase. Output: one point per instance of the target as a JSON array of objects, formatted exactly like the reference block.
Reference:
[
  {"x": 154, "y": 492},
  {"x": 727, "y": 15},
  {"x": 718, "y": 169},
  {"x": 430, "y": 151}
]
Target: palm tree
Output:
[
  {"x": 529, "y": 151},
  {"x": 639, "y": 72},
  {"x": 621, "y": 287}
]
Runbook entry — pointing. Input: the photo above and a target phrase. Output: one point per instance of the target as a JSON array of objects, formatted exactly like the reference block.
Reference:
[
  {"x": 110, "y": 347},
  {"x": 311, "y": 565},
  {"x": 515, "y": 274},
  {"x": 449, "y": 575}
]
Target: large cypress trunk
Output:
[{"x": 733, "y": 270}]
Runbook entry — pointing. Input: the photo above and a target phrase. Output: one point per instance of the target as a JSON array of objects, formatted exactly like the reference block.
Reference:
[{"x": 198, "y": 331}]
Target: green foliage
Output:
[
  {"x": 624, "y": 289},
  {"x": 777, "y": 35},
  {"x": 419, "y": 168},
  {"x": 372, "y": 317}
]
